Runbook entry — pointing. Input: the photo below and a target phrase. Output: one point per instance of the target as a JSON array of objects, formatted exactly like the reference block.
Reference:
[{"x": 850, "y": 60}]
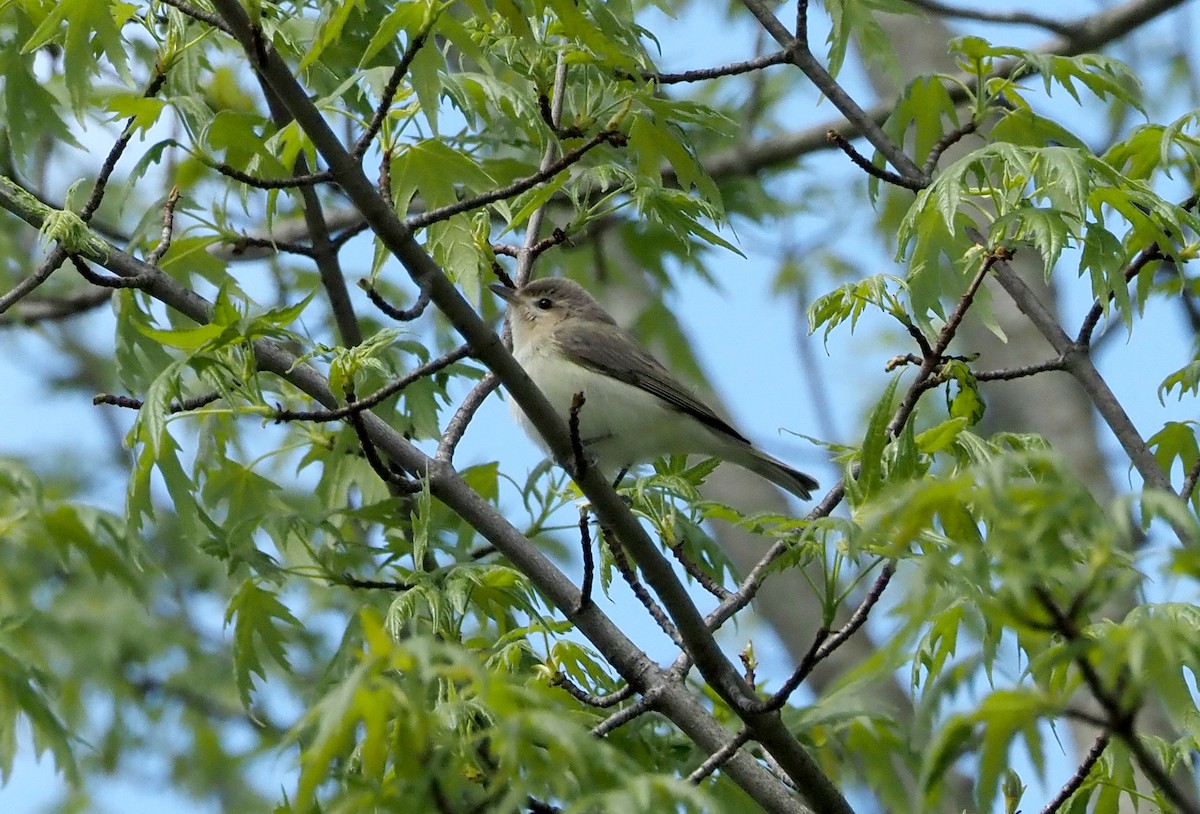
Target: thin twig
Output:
[
  {"x": 389, "y": 91},
  {"x": 325, "y": 253},
  {"x": 104, "y": 281},
  {"x": 1081, "y": 715},
  {"x": 558, "y": 236},
  {"x": 502, "y": 275},
  {"x": 1010, "y": 373},
  {"x": 824, "y": 645},
  {"x": 591, "y": 699},
  {"x": 589, "y": 563},
  {"x": 625, "y": 715},
  {"x": 802, "y": 57},
  {"x": 1085, "y": 768},
  {"x": 1135, "y": 267},
  {"x": 580, "y": 459},
  {"x": 372, "y": 584},
  {"x": 719, "y": 757},
  {"x": 349, "y": 233},
  {"x": 1189, "y": 482},
  {"x": 200, "y": 15},
  {"x": 52, "y": 309},
  {"x": 168, "y": 228},
  {"x": 118, "y": 148},
  {"x": 136, "y": 404},
  {"x": 753, "y": 580},
  {"x": 457, "y": 426},
  {"x": 395, "y": 479},
  {"x": 866, "y": 165},
  {"x": 732, "y": 69},
  {"x": 922, "y": 382},
  {"x": 398, "y": 314},
  {"x": 917, "y": 334},
  {"x": 533, "y": 228},
  {"x": 699, "y": 574},
  {"x": 238, "y": 248},
  {"x": 639, "y": 590},
  {"x": 545, "y": 173},
  {"x": 944, "y": 143},
  {"x": 1079, "y": 365},
  {"x": 390, "y": 389},
  {"x": 22, "y": 289},
  {"x": 258, "y": 182},
  {"x": 1005, "y": 17}
]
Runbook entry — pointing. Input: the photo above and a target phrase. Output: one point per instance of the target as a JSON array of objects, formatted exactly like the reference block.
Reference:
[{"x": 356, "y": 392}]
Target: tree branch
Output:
[
  {"x": 1085, "y": 768},
  {"x": 52, "y": 309},
  {"x": 1119, "y": 718},
  {"x": 392, "y": 388},
  {"x": 1006, "y": 18},
  {"x": 732, "y": 69},
  {"x": 389, "y": 90},
  {"x": 1078, "y": 363},
  {"x": 802, "y": 58},
  {"x": 545, "y": 173}
]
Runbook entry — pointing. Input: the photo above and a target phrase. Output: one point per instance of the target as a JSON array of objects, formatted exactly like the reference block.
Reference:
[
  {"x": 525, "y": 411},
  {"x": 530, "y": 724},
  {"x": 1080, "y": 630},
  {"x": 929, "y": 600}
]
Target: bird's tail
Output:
[{"x": 779, "y": 473}]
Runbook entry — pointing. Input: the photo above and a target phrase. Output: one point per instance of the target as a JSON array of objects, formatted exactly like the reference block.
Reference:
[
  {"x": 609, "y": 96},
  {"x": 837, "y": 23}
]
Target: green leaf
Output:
[
  {"x": 1004, "y": 715},
  {"x": 942, "y": 436},
  {"x": 1187, "y": 379},
  {"x": 257, "y": 614},
  {"x": 91, "y": 28},
  {"x": 923, "y": 114},
  {"x": 1176, "y": 441},
  {"x": 597, "y": 39},
  {"x": 188, "y": 339},
  {"x": 23, "y": 695},
  {"x": 850, "y": 301},
  {"x": 435, "y": 170},
  {"x": 1049, "y": 230},
  {"x": 967, "y": 403},
  {"x": 30, "y": 110},
  {"x": 855, "y": 20},
  {"x": 870, "y": 474},
  {"x": 333, "y": 20},
  {"x": 409, "y": 17},
  {"x": 425, "y": 74}
]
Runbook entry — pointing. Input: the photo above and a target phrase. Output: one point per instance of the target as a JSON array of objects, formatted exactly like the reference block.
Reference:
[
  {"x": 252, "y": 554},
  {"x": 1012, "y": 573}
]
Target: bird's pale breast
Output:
[{"x": 620, "y": 424}]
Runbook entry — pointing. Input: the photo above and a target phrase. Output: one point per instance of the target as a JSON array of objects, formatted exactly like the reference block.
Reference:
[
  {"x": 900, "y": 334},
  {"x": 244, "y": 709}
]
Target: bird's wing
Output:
[{"x": 610, "y": 350}]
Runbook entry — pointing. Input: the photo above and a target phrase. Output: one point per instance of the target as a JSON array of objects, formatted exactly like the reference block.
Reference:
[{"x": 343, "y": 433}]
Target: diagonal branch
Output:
[
  {"x": 1079, "y": 364},
  {"x": 1076, "y": 781},
  {"x": 803, "y": 59},
  {"x": 1004, "y": 17},
  {"x": 545, "y": 173},
  {"x": 389, "y": 90}
]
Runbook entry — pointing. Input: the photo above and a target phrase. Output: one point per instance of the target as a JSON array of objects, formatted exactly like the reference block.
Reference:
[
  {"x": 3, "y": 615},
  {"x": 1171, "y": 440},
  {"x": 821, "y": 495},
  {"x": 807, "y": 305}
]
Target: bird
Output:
[{"x": 634, "y": 409}]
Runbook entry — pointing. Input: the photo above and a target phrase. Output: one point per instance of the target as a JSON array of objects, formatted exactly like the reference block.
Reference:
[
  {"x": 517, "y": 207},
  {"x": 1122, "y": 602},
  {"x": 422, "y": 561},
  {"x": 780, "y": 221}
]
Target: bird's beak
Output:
[{"x": 504, "y": 292}]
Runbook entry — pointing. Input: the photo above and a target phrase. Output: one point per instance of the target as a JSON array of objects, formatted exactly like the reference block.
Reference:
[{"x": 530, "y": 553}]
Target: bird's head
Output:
[{"x": 538, "y": 308}]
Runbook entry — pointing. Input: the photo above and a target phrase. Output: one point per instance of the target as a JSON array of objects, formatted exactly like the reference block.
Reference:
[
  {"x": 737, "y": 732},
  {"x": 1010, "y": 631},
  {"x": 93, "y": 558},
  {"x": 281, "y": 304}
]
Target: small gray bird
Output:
[{"x": 634, "y": 409}]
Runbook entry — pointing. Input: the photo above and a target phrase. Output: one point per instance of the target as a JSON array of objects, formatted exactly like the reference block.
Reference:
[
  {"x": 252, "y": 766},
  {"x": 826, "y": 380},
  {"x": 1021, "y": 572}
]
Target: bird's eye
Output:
[{"x": 545, "y": 303}]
